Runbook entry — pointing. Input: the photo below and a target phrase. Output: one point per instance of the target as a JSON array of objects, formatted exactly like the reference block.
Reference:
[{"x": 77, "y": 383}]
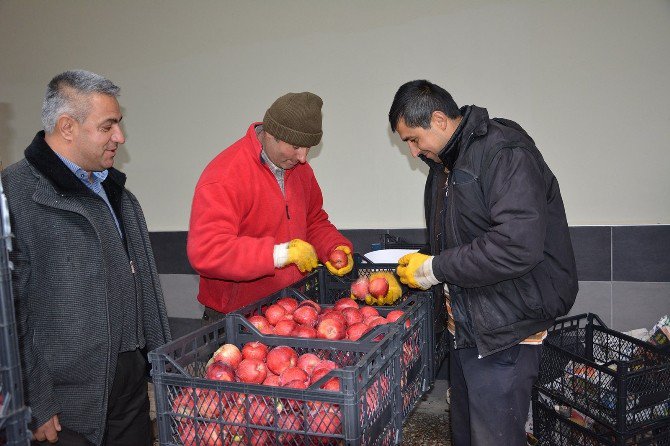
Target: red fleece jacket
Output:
[{"x": 239, "y": 214}]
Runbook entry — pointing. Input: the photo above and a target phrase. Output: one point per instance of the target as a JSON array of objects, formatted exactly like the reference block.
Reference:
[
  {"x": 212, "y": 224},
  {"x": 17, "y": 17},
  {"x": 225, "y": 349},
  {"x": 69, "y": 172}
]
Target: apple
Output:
[
  {"x": 333, "y": 384},
  {"x": 280, "y": 358},
  {"x": 379, "y": 287},
  {"x": 188, "y": 434},
  {"x": 228, "y": 353},
  {"x": 285, "y": 327},
  {"x": 334, "y": 314},
  {"x": 304, "y": 331},
  {"x": 395, "y": 315},
  {"x": 252, "y": 371},
  {"x": 234, "y": 414},
  {"x": 367, "y": 311},
  {"x": 261, "y": 324},
  {"x": 307, "y": 362},
  {"x": 356, "y": 331},
  {"x": 310, "y": 303},
  {"x": 289, "y": 304},
  {"x": 291, "y": 374},
  {"x": 373, "y": 321},
  {"x": 332, "y": 329},
  {"x": 325, "y": 422},
  {"x": 212, "y": 435},
  {"x": 288, "y": 421},
  {"x": 274, "y": 313},
  {"x": 184, "y": 403},
  {"x": 260, "y": 412},
  {"x": 352, "y": 316},
  {"x": 345, "y": 302},
  {"x": 306, "y": 315},
  {"x": 220, "y": 371},
  {"x": 271, "y": 380},
  {"x": 338, "y": 259},
  {"x": 360, "y": 287},
  {"x": 254, "y": 350}
]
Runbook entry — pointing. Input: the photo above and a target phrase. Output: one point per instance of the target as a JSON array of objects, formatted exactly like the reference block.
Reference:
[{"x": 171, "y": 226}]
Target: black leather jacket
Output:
[{"x": 499, "y": 233}]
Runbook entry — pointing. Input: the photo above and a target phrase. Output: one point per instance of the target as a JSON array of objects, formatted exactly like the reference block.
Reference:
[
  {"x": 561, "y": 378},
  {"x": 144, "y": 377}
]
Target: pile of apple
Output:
[
  {"x": 280, "y": 366},
  {"x": 346, "y": 320}
]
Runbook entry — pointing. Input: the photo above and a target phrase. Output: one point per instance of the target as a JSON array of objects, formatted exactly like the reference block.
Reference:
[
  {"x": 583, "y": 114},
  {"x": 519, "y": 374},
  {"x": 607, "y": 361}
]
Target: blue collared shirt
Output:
[{"x": 94, "y": 183}]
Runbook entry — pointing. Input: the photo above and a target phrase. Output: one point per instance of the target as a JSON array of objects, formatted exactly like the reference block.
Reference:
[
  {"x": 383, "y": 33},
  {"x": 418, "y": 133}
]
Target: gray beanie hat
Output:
[{"x": 295, "y": 118}]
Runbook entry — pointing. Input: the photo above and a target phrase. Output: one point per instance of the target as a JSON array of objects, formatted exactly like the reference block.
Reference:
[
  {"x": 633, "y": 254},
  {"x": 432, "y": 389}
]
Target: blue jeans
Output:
[{"x": 490, "y": 397}]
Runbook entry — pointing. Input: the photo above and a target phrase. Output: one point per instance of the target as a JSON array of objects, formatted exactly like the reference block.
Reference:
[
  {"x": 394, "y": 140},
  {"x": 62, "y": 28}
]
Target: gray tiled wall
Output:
[{"x": 624, "y": 271}]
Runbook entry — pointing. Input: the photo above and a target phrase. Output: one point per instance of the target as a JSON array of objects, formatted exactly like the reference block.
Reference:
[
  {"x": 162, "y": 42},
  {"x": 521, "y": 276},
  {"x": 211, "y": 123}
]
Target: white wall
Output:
[{"x": 588, "y": 79}]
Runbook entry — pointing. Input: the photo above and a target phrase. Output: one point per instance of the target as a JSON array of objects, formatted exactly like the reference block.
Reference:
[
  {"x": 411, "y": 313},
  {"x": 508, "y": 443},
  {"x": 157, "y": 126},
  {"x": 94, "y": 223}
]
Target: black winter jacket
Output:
[{"x": 500, "y": 234}]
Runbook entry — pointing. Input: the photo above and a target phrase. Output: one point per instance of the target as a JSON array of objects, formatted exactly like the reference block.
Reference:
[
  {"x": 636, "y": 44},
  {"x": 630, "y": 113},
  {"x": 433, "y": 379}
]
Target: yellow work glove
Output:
[
  {"x": 346, "y": 268},
  {"x": 416, "y": 271},
  {"x": 394, "y": 292},
  {"x": 297, "y": 251}
]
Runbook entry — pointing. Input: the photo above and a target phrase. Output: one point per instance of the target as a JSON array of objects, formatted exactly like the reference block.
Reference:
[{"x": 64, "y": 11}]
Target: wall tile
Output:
[
  {"x": 640, "y": 253},
  {"x": 639, "y": 304},
  {"x": 181, "y": 295},
  {"x": 594, "y": 297},
  {"x": 593, "y": 254},
  {"x": 170, "y": 252}
]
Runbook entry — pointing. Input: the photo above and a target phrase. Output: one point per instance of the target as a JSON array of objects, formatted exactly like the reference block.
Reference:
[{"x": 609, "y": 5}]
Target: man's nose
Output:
[
  {"x": 118, "y": 136},
  {"x": 301, "y": 154},
  {"x": 414, "y": 150}
]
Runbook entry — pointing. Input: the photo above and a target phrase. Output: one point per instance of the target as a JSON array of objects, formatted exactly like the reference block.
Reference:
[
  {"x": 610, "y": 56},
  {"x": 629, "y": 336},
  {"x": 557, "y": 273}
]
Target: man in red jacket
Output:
[{"x": 257, "y": 220}]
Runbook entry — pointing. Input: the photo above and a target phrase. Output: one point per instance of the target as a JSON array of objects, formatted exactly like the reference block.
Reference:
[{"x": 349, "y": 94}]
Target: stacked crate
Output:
[
  {"x": 600, "y": 387},
  {"x": 411, "y": 334},
  {"x": 14, "y": 416},
  {"x": 195, "y": 411}
]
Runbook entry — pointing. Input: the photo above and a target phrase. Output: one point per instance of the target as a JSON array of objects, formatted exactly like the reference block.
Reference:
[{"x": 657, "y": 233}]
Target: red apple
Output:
[
  {"x": 188, "y": 434},
  {"x": 334, "y": 314},
  {"x": 260, "y": 412},
  {"x": 291, "y": 374},
  {"x": 184, "y": 403},
  {"x": 373, "y": 321},
  {"x": 220, "y": 371},
  {"x": 274, "y": 313},
  {"x": 212, "y": 435},
  {"x": 338, "y": 259},
  {"x": 379, "y": 287},
  {"x": 252, "y": 371},
  {"x": 322, "y": 369},
  {"x": 360, "y": 287},
  {"x": 235, "y": 413},
  {"x": 254, "y": 350},
  {"x": 367, "y": 311},
  {"x": 287, "y": 421},
  {"x": 345, "y": 302},
  {"x": 332, "y": 329},
  {"x": 332, "y": 384},
  {"x": 304, "y": 331},
  {"x": 306, "y": 315},
  {"x": 308, "y": 361},
  {"x": 325, "y": 422},
  {"x": 280, "y": 358},
  {"x": 395, "y": 315},
  {"x": 260, "y": 322},
  {"x": 271, "y": 380},
  {"x": 289, "y": 304},
  {"x": 310, "y": 303},
  {"x": 285, "y": 327},
  {"x": 228, "y": 353},
  {"x": 352, "y": 316},
  {"x": 356, "y": 331}
]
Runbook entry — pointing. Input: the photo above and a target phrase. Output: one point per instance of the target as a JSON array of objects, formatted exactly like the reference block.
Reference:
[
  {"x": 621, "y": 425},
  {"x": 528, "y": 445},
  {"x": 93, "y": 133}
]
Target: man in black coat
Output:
[
  {"x": 89, "y": 300},
  {"x": 499, "y": 243}
]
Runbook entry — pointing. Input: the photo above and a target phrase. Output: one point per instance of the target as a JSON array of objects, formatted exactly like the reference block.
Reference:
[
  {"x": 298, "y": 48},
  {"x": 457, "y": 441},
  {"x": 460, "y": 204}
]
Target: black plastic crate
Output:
[
  {"x": 14, "y": 416},
  {"x": 325, "y": 288},
  {"x": 555, "y": 424},
  {"x": 191, "y": 409},
  {"x": 411, "y": 335},
  {"x": 389, "y": 241},
  {"x": 621, "y": 382}
]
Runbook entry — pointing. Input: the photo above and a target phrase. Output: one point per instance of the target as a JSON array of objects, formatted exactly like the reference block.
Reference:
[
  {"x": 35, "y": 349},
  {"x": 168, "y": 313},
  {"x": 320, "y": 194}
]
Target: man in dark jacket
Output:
[
  {"x": 90, "y": 303},
  {"x": 499, "y": 243}
]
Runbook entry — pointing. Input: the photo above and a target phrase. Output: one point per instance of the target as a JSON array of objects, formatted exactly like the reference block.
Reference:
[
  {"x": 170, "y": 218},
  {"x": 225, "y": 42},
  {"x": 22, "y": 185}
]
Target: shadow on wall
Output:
[
  {"x": 6, "y": 134},
  {"x": 414, "y": 163},
  {"x": 122, "y": 153}
]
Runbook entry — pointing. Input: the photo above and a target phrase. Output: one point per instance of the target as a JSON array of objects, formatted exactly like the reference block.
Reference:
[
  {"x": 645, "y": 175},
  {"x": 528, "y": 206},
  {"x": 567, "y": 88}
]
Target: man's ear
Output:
[
  {"x": 438, "y": 120},
  {"x": 65, "y": 127}
]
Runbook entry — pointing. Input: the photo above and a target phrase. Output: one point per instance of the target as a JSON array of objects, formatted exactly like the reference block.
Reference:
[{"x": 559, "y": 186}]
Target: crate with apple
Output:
[
  {"x": 290, "y": 314},
  {"x": 217, "y": 387}
]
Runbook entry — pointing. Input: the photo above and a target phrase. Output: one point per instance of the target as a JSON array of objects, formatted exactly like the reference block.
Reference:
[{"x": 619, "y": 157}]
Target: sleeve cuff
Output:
[
  {"x": 424, "y": 275},
  {"x": 280, "y": 255}
]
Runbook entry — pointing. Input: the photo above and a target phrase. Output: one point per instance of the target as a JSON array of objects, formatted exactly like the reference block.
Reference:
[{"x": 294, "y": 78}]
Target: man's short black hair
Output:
[{"x": 416, "y": 101}]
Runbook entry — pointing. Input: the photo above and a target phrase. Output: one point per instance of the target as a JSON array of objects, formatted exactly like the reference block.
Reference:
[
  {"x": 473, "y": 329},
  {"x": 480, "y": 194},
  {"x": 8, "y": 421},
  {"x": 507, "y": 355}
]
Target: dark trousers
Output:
[
  {"x": 490, "y": 397},
  {"x": 128, "y": 422}
]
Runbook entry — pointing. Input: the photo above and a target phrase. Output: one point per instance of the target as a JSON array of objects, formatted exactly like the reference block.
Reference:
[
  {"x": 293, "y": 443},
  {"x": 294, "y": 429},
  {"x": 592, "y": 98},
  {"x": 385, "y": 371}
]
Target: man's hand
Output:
[
  {"x": 394, "y": 292},
  {"x": 297, "y": 251},
  {"x": 48, "y": 431},
  {"x": 416, "y": 271},
  {"x": 345, "y": 269}
]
